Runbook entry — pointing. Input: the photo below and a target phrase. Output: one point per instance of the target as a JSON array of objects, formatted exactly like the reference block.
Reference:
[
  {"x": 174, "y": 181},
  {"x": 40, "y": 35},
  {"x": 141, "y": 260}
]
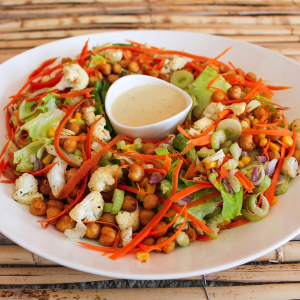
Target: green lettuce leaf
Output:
[
  {"x": 195, "y": 103},
  {"x": 24, "y": 165},
  {"x": 199, "y": 88},
  {"x": 266, "y": 102},
  {"x": 49, "y": 103},
  {"x": 95, "y": 59},
  {"x": 39, "y": 127},
  {"x": 24, "y": 110}
]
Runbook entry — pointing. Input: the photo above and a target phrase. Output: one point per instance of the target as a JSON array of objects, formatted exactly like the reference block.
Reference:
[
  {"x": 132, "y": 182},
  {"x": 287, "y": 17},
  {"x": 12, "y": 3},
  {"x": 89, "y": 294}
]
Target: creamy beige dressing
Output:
[{"x": 147, "y": 104}]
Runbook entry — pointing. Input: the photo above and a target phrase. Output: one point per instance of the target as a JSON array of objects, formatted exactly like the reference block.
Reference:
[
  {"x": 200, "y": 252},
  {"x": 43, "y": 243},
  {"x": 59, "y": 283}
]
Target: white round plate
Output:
[{"x": 233, "y": 247}]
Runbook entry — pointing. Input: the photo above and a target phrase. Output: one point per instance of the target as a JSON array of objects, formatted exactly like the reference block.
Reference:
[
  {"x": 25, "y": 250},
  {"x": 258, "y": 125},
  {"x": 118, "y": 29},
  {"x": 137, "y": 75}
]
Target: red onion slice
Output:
[
  {"x": 227, "y": 186},
  {"x": 261, "y": 159},
  {"x": 38, "y": 165},
  {"x": 254, "y": 174},
  {"x": 186, "y": 200},
  {"x": 271, "y": 167},
  {"x": 213, "y": 170},
  {"x": 156, "y": 178}
]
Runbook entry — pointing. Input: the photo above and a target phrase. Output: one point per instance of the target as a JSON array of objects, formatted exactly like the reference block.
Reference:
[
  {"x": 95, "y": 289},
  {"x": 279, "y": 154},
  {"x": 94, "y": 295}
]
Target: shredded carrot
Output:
[
  {"x": 161, "y": 63},
  {"x": 41, "y": 96},
  {"x": 18, "y": 120},
  {"x": 167, "y": 164},
  {"x": 253, "y": 91},
  {"x": 22, "y": 141},
  {"x": 187, "y": 148},
  {"x": 265, "y": 149},
  {"x": 204, "y": 238},
  {"x": 105, "y": 249},
  {"x": 278, "y": 88},
  {"x": 83, "y": 53},
  {"x": 156, "y": 170},
  {"x": 175, "y": 178},
  {"x": 4, "y": 148},
  {"x": 268, "y": 132},
  {"x": 203, "y": 199},
  {"x": 130, "y": 189},
  {"x": 248, "y": 184},
  {"x": 134, "y": 43},
  {"x": 7, "y": 181},
  {"x": 8, "y": 124},
  {"x": 262, "y": 120},
  {"x": 187, "y": 174},
  {"x": 207, "y": 168},
  {"x": 224, "y": 113},
  {"x": 236, "y": 224},
  {"x": 76, "y": 94},
  {"x": 292, "y": 149},
  {"x": 41, "y": 171},
  {"x": 271, "y": 189},
  {"x": 181, "y": 130},
  {"x": 42, "y": 67},
  {"x": 210, "y": 61},
  {"x": 223, "y": 172},
  {"x": 201, "y": 141}
]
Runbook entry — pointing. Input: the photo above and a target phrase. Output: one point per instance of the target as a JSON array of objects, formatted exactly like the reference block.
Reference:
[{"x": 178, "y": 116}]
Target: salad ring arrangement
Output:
[{"x": 235, "y": 153}]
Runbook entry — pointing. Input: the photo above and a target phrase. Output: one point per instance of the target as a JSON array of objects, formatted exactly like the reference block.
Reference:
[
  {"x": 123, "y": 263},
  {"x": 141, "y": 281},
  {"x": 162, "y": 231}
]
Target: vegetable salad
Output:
[{"x": 235, "y": 153}]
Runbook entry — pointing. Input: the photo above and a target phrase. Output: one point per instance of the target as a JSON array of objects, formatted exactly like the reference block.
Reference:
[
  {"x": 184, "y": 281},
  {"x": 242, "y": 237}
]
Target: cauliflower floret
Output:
[
  {"x": 193, "y": 133},
  {"x": 26, "y": 188},
  {"x": 296, "y": 123},
  {"x": 166, "y": 68},
  {"x": 290, "y": 166},
  {"x": 237, "y": 108},
  {"x": 177, "y": 63},
  {"x": 88, "y": 115},
  {"x": 128, "y": 222},
  {"x": 89, "y": 209},
  {"x": 103, "y": 179},
  {"x": 212, "y": 111},
  {"x": 56, "y": 176},
  {"x": 202, "y": 124},
  {"x": 74, "y": 77},
  {"x": 114, "y": 55},
  {"x": 99, "y": 131}
]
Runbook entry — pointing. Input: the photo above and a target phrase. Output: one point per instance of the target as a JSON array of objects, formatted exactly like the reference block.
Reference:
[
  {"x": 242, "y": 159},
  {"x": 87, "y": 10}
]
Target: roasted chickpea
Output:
[
  {"x": 45, "y": 78},
  {"x": 148, "y": 149},
  {"x": 66, "y": 60},
  {"x": 9, "y": 173},
  {"x": 223, "y": 69},
  {"x": 87, "y": 63},
  {"x": 297, "y": 155},
  {"x": 83, "y": 129},
  {"x": 273, "y": 154},
  {"x": 74, "y": 192},
  {"x": 165, "y": 77},
  {"x": 148, "y": 241},
  {"x": 74, "y": 126},
  {"x": 240, "y": 71},
  {"x": 216, "y": 68},
  {"x": 234, "y": 92},
  {"x": 277, "y": 116},
  {"x": 146, "y": 215},
  {"x": 52, "y": 212},
  {"x": 158, "y": 162},
  {"x": 70, "y": 173},
  {"x": 105, "y": 69},
  {"x": 217, "y": 96},
  {"x": 98, "y": 75},
  {"x": 152, "y": 72},
  {"x": 38, "y": 207},
  {"x": 70, "y": 145},
  {"x": 93, "y": 230},
  {"x": 251, "y": 75},
  {"x": 133, "y": 67},
  {"x": 108, "y": 236},
  {"x": 168, "y": 248},
  {"x": 112, "y": 78},
  {"x": 170, "y": 233},
  {"x": 160, "y": 225},
  {"x": 88, "y": 103},
  {"x": 92, "y": 80},
  {"x": 233, "y": 116},
  {"x": 246, "y": 142},
  {"x": 117, "y": 69},
  {"x": 129, "y": 203},
  {"x": 151, "y": 201},
  {"x": 128, "y": 54},
  {"x": 124, "y": 64},
  {"x": 136, "y": 173},
  {"x": 65, "y": 222},
  {"x": 81, "y": 144},
  {"x": 44, "y": 187},
  {"x": 55, "y": 203},
  {"x": 259, "y": 112},
  {"x": 191, "y": 234},
  {"x": 61, "y": 142},
  {"x": 108, "y": 218}
]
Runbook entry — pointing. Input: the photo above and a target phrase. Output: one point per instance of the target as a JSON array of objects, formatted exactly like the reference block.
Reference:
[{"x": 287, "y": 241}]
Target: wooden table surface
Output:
[{"x": 274, "y": 24}]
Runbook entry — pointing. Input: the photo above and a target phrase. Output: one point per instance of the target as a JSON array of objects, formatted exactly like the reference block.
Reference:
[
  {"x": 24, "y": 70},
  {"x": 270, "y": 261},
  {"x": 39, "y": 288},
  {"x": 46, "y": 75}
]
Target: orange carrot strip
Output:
[
  {"x": 197, "y": 168},
  {"x": 181, "y": 130},
  {"x": 268, "y": 132},
  {"x": 253, "y": 91},
  {"x": 23, "y": 142},
  {"x": 224, "y": 113},
  {"x": 76, "y": 94},
  {"x": 204, "y": 238},
  {"x": 40, "y": 96},
  {"x": 203, "y": 199},
  {"x": 187, "y": 174},
  {"x": 249, "y": 184},
  {"x": 41, "y": 171},
  {"x": 278, "y": 88},
  {"x": 187, "y": 148},
  {"x": 4, "y": 148},
  {"x": 8, "y": 124},
  {"x": 7, "y": 181},
  {"x": 175, "y": 178},
  {"x": 42, "y": 67},
  {"x": 270, "y": 124},
  {"x": 104, "y": 249},
  {"x": 262, "y": 120},
  {"x": 207, "y": 168},
  {"x": 189, "y": 190},
  {"x": 236, "y": 224},
  {"x": 271, "y": 189},
  {"x": 19, "y": 121},
  {"x": 161, "y": 63},
  {"x": 265, "y": 149},
  {"x": 167, "y": 164},
  {"x": 223, "y": 172},
  {"x": 130, "y": 189},
  {"x": 83, "y": 53},
  {"x": 191, "y": 217},
  {"x": 201, "y": 141},
  {"x": 134, "y": 43},
  {"x": 210, "y": 61},
  {"x": 155, "y": 170},
  {"x": 292, "y": 149}
]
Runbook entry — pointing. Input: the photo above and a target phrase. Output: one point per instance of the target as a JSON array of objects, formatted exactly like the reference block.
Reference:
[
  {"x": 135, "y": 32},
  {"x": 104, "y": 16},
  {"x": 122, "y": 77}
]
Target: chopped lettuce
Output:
[
  {"x": 25, "y": 109},
  {"x": 199, "y": 88},
  {"x": 95, "y": 60},
  {"x": 49, "y": 103},
  {"x": 24, "y": 165},
  {"x": 39, "y": 127},
  {"x": 265, "y": 101},
  {"x": 166, "y": 186},
  {"x": 195, "y": 103}
]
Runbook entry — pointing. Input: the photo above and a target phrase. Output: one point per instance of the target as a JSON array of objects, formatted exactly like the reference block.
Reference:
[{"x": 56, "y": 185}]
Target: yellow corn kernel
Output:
[
  {"x": 150, "y": 189},
  {"x": 251, "y": 118},
  {"x": 267, "y": 96},
  {"x": 287, "y": 140},
  {"x": 225, "y": 223},
  {"x": 204, "y": 221},
  {"x": 254, "y": 122},
  {"x": 52, "y": 130},
  {"x": 240, "y": 165},
  {"x": 211, "y": 164},
  {"x": 245, "y": 160},
  {"x": 262, "y": 136},
  {"x": 77, "y": 115},
  {"x": 129, "y": 148},
  {"x": 16, "y": 112},
  {"x": 274, "y": 147},
  {"x": 141, "y": 197},
  {"x": 144, "y": 182},
  {"x": 263, "y": 142},
  {"x": 142, "y": 256},
  {"x": 47, "y": 160},
  {"x": 274, "y": 200}
]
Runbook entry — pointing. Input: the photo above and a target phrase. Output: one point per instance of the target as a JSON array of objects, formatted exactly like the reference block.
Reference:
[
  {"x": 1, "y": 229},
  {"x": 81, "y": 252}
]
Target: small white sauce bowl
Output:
[{"x": 158, "y": 130}]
